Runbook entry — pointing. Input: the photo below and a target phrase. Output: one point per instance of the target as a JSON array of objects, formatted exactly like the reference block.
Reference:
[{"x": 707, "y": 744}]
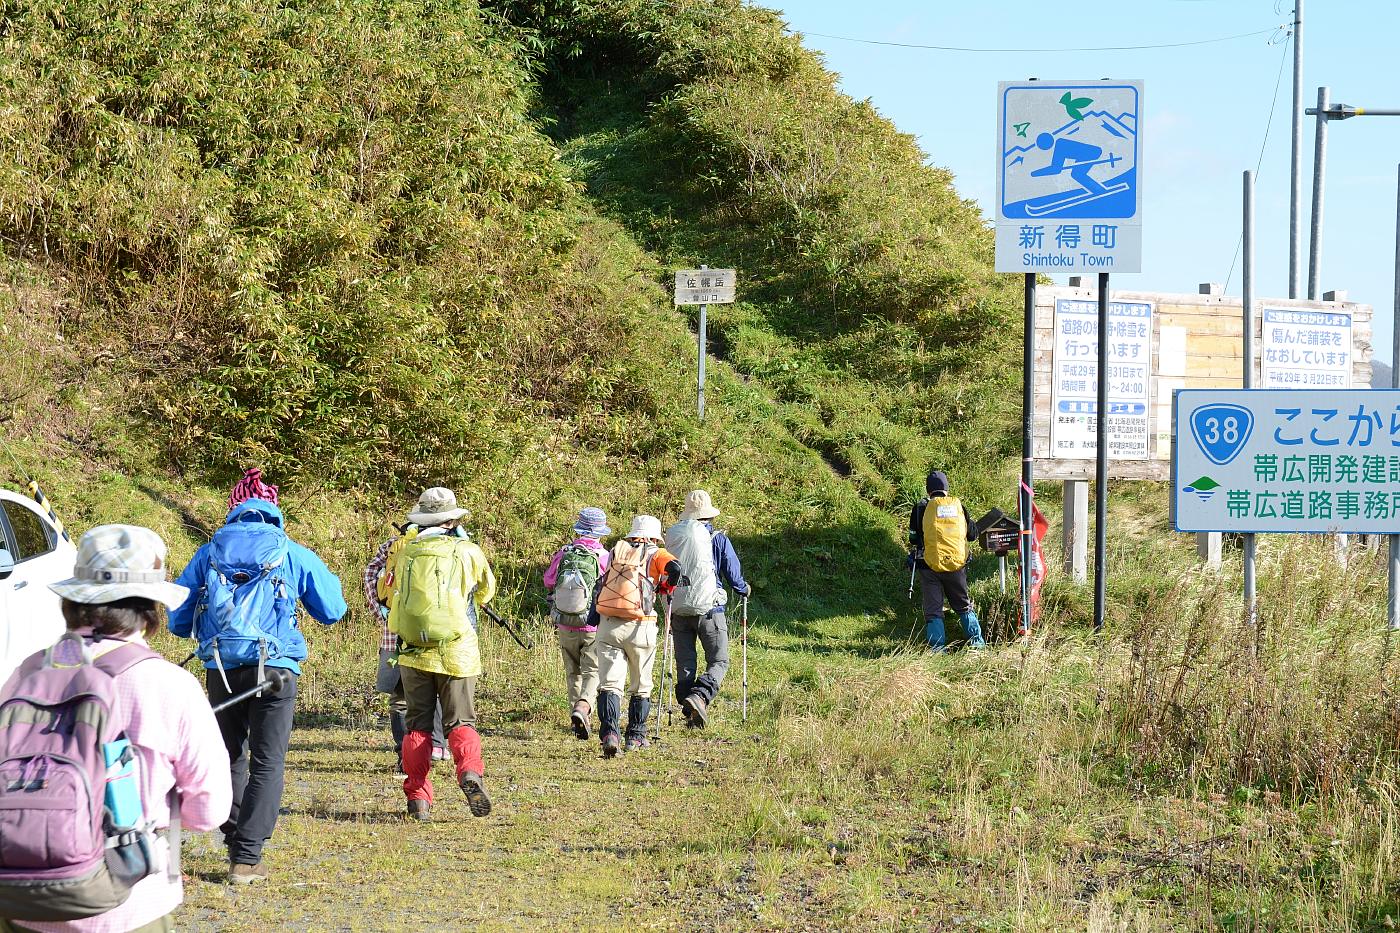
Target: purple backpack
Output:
[{"x": 63, "y": 857}]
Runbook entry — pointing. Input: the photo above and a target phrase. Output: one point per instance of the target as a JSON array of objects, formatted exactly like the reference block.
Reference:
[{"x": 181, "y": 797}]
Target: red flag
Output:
[{"x": 1039, "y": 528}]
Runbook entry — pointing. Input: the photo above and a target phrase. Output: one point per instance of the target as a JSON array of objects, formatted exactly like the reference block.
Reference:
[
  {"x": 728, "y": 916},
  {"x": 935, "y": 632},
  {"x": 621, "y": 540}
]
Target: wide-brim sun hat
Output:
[
  {"x": 435, "y": 506},
  {"x": 698, "y": 506},
  {"x": 120, "y": 562},
  {"x": 592, "y": 523},
  {"x": 646, "y": 527}
]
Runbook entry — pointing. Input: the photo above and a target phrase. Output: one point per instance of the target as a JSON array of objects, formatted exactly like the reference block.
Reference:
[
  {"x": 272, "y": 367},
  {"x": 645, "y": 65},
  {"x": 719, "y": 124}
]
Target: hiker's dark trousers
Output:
[
  {"x": 712, "y": 632},
  {"x": 935, "y": 587},
  {"x": 256, "y": 733}
]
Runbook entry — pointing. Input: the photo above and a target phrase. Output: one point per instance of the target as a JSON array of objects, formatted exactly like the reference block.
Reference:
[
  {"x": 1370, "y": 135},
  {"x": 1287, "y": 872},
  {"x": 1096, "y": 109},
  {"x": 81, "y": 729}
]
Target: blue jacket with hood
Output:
[{"x": 306, "y": 576}]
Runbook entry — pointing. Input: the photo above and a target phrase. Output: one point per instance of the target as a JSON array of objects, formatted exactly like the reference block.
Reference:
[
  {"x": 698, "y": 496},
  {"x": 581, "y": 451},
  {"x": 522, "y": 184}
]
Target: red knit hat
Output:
[{"x": 251, "y": 486}]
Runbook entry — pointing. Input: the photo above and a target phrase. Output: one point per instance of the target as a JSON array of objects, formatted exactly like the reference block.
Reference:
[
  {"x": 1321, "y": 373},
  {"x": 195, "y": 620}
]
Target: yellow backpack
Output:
[
  {"x": 945, "y": 534},
  {"x": 388, "y": 578}
]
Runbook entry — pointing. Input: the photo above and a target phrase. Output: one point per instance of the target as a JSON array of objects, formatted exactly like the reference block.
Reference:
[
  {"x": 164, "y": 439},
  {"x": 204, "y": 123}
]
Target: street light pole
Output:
[{"x": 1326, "y": 112}]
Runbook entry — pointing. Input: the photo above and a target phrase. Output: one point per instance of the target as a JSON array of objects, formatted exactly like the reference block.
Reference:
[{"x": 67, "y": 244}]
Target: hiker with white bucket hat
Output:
[
  {"x": 709, "y": 564},
  {"x": 641, "y": 569},
  {"x": 144, "y": 735}
]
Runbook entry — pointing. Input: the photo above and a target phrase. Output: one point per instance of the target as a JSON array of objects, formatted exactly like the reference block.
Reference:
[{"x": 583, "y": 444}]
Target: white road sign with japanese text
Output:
[
  {"x": 1069, "y": 193},
  {"x": 1305, "y": 349},
  {"x": 1074, "y": 391},
  {"x": 705, "y": 286},
  {"x": 1279, "y": 460}
]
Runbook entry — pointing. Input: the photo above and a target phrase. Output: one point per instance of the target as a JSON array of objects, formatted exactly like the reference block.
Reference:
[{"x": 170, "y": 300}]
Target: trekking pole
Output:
[
  {"x": 744, "y": 651},
  {"x": 509, "y": 628},
  {"x": 276, "y": 679},
  {"x": 913, "y": 570},
  {"x": 190, "y": 657},
  {"x": 665, "y": 697}
]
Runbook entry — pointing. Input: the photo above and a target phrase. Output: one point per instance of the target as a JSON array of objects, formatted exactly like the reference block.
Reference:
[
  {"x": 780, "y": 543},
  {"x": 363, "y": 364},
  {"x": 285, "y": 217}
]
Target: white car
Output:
[{"x": 32, "y": 555}]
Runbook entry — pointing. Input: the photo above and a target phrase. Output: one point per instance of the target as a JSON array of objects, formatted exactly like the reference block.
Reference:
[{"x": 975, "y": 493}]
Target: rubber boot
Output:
[
  {"x": 936, "y": 634},
  {"x": 973, "y": 630},
  {"x": 638, "y": 710},
  {"x": 609, "y": 711}
]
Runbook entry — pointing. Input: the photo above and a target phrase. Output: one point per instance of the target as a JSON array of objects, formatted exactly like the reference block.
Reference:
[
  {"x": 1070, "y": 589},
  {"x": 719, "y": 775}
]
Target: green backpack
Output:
[{"x": 433, "y": 601}]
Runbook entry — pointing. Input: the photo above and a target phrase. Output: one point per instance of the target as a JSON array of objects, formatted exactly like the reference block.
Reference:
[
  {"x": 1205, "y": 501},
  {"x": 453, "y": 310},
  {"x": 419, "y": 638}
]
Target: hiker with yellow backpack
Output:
[
  {"x": 440, "y": 580},
  {"x": 641, "y": 569},
  {"x": 940, "y": 528},
  {"x": 379, "y": 593}
]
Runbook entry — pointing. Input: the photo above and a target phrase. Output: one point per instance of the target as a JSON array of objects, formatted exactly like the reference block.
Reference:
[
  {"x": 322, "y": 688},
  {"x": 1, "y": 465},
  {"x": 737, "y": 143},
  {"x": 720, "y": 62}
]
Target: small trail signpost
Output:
[{"x": 704, "y": 287}]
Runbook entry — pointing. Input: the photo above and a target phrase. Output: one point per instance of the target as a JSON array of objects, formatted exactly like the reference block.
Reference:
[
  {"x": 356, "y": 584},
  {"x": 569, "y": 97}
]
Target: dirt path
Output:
[{"x": 574, "y": 841}]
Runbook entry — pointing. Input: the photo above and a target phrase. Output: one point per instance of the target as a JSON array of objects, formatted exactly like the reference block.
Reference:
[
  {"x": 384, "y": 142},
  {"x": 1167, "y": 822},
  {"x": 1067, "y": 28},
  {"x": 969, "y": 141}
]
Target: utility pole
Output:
[{"x": 1295, "y": 199}]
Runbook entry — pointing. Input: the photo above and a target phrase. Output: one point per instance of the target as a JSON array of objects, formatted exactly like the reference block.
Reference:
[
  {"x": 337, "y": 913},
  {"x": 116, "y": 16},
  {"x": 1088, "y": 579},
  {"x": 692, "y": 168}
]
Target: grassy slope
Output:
[{"x": 1158, "y": 780}]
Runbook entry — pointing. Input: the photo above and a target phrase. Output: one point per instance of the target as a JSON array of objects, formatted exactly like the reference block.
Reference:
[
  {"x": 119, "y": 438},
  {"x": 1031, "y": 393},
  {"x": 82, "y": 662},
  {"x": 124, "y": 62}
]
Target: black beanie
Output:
[{"x": 937, "y": 482}]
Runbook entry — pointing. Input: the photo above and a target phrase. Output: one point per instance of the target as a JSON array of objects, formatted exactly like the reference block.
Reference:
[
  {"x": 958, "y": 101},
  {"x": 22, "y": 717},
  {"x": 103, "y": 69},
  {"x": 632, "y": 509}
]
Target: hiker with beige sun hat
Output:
[
  {"x": 640, "y": 570},
  {"x": 149, "y": 739},
  {"x": 709, "y": 564},
  {"x": 440, "y": 581}
]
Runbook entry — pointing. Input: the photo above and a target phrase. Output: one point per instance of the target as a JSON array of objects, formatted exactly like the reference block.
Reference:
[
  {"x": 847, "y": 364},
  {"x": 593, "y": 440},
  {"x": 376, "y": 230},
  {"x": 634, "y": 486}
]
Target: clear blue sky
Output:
[{"x": 1206, "y": 110}]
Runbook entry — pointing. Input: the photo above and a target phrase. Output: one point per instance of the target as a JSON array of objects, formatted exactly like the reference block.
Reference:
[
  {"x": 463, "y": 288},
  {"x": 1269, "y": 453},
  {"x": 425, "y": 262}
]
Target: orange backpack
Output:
[{"x": 627, "y": 590}]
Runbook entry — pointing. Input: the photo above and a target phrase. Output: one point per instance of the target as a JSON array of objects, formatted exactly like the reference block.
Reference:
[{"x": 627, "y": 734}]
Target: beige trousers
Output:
[
  {"x": 626, "y": 653},
  {"x": 580, "y": 665}
]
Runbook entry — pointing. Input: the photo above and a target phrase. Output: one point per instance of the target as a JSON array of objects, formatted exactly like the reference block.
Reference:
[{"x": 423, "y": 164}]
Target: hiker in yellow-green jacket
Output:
[
  {"x": 441, "y": 580},
  {"x": 939, "y": 529}
]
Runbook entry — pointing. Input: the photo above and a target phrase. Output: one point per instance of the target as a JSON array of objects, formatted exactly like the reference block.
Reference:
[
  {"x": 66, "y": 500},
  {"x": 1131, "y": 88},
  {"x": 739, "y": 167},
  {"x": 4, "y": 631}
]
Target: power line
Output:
[
  {"x": 1104, "y": 48},
  {"x": 1259, "y": 163}
]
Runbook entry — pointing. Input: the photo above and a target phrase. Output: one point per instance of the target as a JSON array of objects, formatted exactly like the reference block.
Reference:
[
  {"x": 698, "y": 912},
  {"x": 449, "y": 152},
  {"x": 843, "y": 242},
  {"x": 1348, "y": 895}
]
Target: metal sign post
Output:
[
  {"x": 1026, "y": 496},
  {"x": 1393, "y": 599},
  {"x": 704, "y": 287},
  {"x": 1101, "y": 463},
  {"x": 1250, "y": 603}
]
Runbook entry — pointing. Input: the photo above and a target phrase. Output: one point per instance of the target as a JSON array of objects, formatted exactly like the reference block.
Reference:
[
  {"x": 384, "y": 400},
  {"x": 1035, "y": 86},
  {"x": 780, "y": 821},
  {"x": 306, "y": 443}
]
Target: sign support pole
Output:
[
  {"x": 700, "y": 394},
  {"x": 1101, "y": 463},
  {"x": 1393, "y": 598},
  {"x": 1295, "y": 183},
  {"x": 1027, "y": 495},
  {"x": 1247, "y": 255}
]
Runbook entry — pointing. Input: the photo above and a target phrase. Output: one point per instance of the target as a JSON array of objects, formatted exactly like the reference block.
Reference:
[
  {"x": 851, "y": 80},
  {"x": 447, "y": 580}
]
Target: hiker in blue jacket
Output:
[{"x": 244, "y": 585}]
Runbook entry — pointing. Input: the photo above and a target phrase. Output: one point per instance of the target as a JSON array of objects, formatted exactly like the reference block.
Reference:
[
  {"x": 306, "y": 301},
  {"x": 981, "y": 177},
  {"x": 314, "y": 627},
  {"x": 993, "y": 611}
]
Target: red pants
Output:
[{"x": 418, "y": 759}]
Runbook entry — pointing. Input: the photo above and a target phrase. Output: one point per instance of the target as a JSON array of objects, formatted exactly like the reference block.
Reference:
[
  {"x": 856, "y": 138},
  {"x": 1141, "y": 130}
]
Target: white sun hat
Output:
[
  {"x": 646, "y": 526},
  {"x": 698, "y": 506},
  {"x": 435, "y": 506},
  {"x": 120, "y": 561}
]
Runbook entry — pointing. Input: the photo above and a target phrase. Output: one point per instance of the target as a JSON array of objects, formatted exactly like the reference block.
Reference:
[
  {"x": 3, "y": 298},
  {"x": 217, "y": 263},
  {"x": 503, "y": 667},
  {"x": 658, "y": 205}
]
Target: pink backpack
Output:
[{"x": 73, "y": 846}]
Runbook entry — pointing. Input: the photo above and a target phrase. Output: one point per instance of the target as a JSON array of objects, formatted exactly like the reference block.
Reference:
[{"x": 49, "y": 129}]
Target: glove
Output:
[{"x": 909, "y": 561}]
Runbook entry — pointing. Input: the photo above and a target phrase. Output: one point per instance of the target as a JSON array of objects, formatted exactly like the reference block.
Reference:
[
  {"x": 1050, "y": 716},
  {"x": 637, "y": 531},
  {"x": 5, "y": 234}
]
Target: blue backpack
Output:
[{"x": 244, "y": 602}]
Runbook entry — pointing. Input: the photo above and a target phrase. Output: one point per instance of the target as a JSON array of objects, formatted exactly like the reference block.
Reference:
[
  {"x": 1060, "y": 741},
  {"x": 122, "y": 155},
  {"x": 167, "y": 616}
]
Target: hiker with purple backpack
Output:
[{"x": 101, "y": 710}]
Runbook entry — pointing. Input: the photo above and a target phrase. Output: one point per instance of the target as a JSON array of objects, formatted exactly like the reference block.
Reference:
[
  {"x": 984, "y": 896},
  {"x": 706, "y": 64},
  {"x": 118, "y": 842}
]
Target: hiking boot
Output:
[
  {"x": 419, "y": 810},
  {"x": 441, "y": 754},
  {"x": 246, "y": 874},
  {"x": 697, "y": 711},
  {"x": 636, "y": 743},
  {"x": 611, "y": 745},
  {"x": 399, "y": 772},
  {"x": 579, "y": 720},
  {"x": 477, "y": 801}
]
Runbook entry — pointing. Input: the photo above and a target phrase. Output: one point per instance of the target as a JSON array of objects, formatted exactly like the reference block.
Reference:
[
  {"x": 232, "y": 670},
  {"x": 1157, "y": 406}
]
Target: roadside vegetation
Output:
[{"x": 376, "y": 245}]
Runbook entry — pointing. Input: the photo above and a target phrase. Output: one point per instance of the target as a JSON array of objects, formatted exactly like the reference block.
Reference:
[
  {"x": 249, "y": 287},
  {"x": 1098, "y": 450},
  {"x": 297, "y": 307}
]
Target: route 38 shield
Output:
[{"x": 1221, "y": 430}]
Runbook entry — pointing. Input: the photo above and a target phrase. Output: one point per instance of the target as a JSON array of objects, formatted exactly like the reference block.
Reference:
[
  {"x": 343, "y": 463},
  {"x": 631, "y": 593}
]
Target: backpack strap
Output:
[{"x": 119, "y": 660}]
